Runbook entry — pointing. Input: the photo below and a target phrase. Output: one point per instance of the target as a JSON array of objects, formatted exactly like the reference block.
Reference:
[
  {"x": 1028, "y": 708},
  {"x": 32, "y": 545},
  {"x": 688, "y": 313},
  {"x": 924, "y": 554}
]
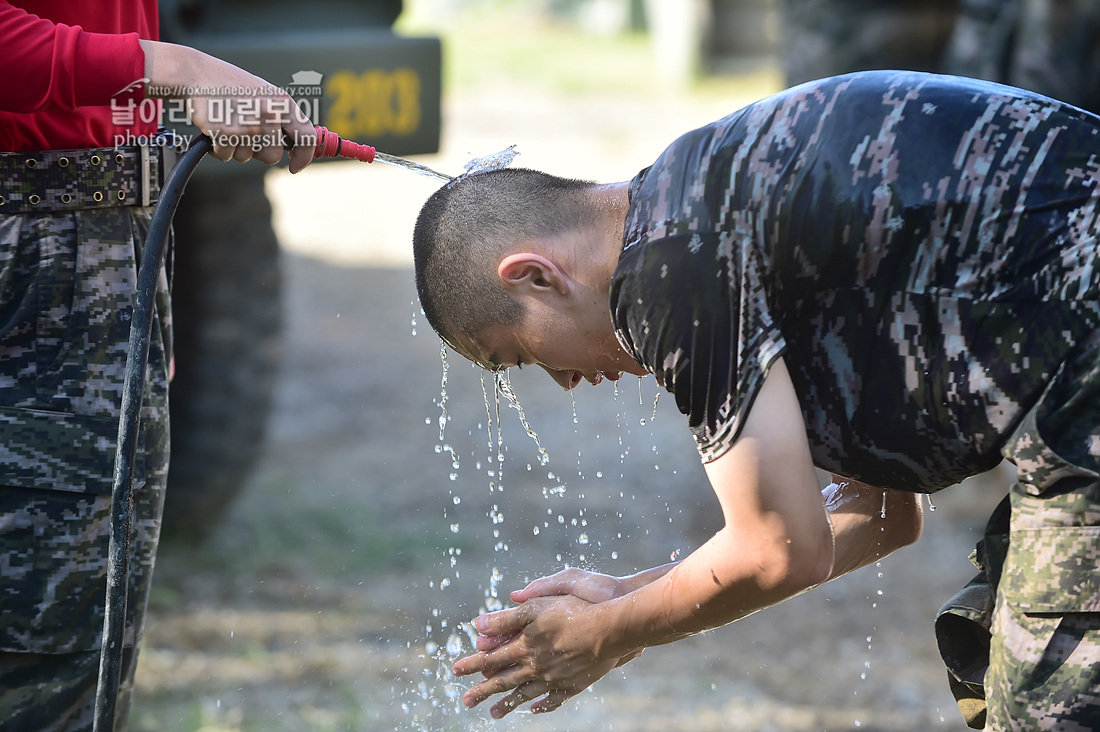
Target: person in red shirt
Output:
[
  {"x": 80, "y": 165},
  {"x": 78, "y": 61}
]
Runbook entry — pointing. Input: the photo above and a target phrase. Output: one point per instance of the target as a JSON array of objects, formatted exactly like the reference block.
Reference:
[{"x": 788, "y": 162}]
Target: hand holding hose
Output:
[{"x": 244, "y": 116}]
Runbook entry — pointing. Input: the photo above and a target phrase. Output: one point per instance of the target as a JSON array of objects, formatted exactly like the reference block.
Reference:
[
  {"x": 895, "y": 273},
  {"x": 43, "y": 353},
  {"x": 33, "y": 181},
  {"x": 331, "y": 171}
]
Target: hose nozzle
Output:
[{"x": 331, "y": 145}]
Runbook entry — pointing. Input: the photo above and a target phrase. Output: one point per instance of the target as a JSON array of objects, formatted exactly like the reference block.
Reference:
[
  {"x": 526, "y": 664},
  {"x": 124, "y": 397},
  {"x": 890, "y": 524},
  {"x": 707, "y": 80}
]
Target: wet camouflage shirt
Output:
[{"x": 919, "y": 249}]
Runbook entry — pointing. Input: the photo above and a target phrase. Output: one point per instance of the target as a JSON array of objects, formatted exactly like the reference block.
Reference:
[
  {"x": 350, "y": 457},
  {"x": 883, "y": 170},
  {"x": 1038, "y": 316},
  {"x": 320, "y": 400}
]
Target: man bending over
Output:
[{"x": 887, "y": 275}]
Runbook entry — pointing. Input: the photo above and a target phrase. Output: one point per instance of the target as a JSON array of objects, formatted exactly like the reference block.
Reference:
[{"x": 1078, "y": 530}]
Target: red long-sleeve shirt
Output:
[{"x": 64, "y": 61}]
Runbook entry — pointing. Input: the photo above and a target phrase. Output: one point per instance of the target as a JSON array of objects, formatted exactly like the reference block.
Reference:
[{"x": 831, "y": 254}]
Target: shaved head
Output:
[{"x": 467, "y": 226}]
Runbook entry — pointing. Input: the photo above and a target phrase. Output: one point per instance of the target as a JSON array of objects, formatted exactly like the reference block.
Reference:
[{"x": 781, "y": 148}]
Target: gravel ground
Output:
[{"x": 332, "y": 595}]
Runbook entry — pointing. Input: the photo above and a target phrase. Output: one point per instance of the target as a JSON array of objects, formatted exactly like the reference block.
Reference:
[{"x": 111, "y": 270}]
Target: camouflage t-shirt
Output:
[{"x": 919, "y": 249}]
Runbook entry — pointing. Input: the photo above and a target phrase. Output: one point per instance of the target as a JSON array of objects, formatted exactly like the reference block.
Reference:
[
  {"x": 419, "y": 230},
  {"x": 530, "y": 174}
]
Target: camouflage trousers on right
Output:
[
  {"x": 67, "y": 281},
  {"x": 1022, "y": 641}
]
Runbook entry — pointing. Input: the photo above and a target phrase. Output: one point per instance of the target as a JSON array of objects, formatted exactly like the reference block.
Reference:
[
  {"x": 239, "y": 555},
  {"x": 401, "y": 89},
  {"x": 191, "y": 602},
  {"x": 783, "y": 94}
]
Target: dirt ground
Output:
[{"x": 332, "y": 595}]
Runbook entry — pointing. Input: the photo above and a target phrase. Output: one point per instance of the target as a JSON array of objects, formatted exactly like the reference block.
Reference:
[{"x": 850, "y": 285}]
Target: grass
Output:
[{"x": 278, "y": 530}]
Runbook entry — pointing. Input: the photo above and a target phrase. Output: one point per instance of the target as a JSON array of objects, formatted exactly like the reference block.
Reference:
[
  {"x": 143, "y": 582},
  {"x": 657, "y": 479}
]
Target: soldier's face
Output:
[{"x": 568, "y": 349}]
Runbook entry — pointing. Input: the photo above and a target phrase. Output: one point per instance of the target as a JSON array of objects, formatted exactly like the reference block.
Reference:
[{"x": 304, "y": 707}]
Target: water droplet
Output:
[
  {"x": 456, "y": 500},
  {"x": 454, "y": 528},
  {"x": 582, "y": 539}
]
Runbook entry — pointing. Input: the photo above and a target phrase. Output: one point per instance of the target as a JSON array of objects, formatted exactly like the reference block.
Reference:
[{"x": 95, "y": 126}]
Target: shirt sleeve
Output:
[
  {"x": 62, "y": 67},
  {"x": 692, "y": 309}
]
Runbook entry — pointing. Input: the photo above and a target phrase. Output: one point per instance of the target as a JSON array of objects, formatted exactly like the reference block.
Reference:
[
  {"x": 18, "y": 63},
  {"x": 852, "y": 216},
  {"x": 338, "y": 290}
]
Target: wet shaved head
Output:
[{"x": 466, "y": 228}]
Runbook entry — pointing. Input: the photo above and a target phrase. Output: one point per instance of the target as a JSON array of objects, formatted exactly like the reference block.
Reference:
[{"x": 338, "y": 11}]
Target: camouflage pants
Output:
[
  {"x": 67, "y": 282},
  {"x": 1022, "y": 641}
]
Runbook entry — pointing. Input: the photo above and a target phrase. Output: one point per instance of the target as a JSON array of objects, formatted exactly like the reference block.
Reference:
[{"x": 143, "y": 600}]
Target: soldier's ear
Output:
[{"x": 533, "y": 272}]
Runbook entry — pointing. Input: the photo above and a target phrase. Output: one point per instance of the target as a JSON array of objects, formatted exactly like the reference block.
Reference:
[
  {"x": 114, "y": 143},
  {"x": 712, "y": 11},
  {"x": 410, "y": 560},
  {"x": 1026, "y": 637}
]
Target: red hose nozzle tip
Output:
[
  {"x": 356, "y": 151},
  {"x": 329, "y": 145}
]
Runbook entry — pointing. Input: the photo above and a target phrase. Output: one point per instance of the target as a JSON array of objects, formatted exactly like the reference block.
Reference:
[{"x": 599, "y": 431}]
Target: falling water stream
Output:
[
  {"x": 439, "y": 695},
  {"x": 504, "y": 386}
]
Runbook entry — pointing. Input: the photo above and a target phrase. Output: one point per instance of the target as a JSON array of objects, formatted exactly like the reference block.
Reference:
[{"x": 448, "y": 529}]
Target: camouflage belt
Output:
[{"x": 65, "y": 180}]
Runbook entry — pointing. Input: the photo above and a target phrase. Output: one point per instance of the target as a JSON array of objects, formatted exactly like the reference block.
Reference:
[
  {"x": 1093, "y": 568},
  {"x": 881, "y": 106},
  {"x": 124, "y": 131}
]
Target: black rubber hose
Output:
[{"x": 122, "y": 494}]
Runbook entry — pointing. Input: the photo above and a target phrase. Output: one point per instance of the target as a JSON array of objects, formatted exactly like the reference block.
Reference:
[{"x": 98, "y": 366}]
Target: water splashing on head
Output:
[{"x": 496, "y": 161}]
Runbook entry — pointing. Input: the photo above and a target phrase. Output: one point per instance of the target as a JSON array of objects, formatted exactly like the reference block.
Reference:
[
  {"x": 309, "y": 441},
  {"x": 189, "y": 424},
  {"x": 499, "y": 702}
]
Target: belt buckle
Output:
[{"x": 146, "y": 192}]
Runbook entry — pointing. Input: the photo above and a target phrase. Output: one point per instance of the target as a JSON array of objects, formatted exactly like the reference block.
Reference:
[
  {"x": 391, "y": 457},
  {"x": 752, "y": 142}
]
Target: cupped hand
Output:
[
  {"x": 581, "y": 583},
  {"x": 552, "y": 649},
  {"x": 589, "y": 586}
]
